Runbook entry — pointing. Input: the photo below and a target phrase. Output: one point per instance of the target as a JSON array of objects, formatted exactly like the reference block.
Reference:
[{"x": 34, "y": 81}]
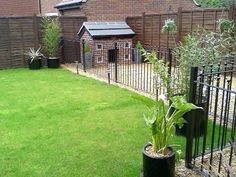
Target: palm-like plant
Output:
[{"x": 34, "y": 54}]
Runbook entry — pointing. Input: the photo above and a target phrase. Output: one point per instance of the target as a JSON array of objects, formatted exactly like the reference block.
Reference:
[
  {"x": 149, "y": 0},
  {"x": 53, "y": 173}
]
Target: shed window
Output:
[
  {"x": 99, "y": 59},
  {"x": 127, "y": 56},
  {"x": 99, "y": 47},
  {"x": 127, "y": 45}
]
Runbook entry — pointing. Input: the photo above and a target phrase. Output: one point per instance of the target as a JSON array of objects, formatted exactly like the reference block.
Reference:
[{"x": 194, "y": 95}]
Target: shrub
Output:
[{"x": 51, "y": 36}]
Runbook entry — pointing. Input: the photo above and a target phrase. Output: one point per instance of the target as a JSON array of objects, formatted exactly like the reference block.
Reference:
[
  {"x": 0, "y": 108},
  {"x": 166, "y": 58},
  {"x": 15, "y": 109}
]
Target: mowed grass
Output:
[{"x": 54, "y": 123}]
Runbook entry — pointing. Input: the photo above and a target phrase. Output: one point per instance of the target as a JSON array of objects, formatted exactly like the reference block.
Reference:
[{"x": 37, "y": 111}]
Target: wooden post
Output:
[
  {"x": 179, "y": 24},
  {"x": 9, "y": 62},
  {"x": 232, "y": 12},
  {"x": 159, "y": 34},
  {"x": 83, "y": 46},
  {"x": 36, "y": 29},
  {"x": 143, "y": 28},
  {"x": 23, "y": 45}
]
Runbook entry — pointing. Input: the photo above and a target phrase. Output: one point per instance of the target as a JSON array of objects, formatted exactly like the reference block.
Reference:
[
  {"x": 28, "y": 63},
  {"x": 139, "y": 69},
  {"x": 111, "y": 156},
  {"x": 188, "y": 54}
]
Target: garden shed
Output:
[{"x": 100, "y": 38}]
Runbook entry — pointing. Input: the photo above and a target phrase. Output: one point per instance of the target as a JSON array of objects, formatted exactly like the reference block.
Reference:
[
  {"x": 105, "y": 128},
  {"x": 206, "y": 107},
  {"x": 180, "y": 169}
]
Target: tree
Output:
[{"x": 216, "y": 3}]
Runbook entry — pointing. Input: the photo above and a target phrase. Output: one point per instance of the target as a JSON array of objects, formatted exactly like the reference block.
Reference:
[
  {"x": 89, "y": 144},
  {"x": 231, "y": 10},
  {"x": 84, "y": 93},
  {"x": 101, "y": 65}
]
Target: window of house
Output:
[
  {"x": 99, "y": 47},
  {"x": 99, "y": 59}
]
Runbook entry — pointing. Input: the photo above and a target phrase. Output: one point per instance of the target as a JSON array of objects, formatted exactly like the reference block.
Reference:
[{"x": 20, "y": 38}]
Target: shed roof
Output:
[
  {"x": 69, "y": 4},
  {"x": 106, "y": 29}
]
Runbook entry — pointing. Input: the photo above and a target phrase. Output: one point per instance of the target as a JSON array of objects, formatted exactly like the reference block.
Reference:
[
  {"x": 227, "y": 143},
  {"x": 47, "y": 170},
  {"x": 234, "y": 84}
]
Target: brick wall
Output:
[
  {"x": 16, "y": 8},
  {"x": 110, "y": 10},
  {"x": 107, "y": 43},
  {"x": 48, "y": 6}
]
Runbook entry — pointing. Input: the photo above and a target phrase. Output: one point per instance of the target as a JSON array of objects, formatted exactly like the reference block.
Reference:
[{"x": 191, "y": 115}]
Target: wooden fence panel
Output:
[
  {"x": 71, "y": 46},
  {"x": 18, "y": 34},
  {"x": 71, "y": 25},
  {"x": 148, "y": 27}
]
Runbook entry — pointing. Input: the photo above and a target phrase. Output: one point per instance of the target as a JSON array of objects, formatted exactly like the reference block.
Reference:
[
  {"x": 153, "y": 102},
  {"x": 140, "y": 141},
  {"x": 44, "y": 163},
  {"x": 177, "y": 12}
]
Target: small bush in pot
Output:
[
  {"x": 51, "y": 40},
  {"x": 137, "y": 55},
  {"x": 159, "y": 156},
  {"x": 35, "y": 58}
]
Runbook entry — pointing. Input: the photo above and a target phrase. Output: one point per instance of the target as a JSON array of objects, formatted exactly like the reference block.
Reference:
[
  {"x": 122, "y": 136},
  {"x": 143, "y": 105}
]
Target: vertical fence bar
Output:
[
  {"x": 169, "y": 57},
  {"x": 206, "y": 121},
  {"x": 192, "y": 99},
  {"x": 143, "y": 28},
  {"x": 84, "y": 64},
  {"x": 116, "y": 63},
  {"x": 215, "y": 117},
  {"x": 222, "y": 105}
]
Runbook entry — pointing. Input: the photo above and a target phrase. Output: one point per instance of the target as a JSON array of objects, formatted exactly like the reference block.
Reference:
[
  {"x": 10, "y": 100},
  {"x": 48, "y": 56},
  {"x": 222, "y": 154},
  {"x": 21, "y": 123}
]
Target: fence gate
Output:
[{"x": 213, "y": 151}]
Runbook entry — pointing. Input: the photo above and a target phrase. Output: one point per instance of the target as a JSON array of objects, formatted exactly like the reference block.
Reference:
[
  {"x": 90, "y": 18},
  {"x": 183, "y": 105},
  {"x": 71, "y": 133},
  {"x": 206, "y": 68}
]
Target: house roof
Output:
[
  {"x": 106, "y": 29},
  {"x": 69, "y": 4}
]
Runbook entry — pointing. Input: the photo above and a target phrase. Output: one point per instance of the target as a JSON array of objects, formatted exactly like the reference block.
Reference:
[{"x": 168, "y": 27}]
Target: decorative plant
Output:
[
  {"x": 161, "y": 70},
  {"x": 34, "y": 54},
  {"x": 202, "y": 48},
  {"x": 161, "y": 119},
  {"x": 228, "y": 33},
  {"x": 51, "y": 36},
  {"x": 169, "y": 26},
  {"x": 139, "y": 45},
  {"x": 226, "y": 25}
]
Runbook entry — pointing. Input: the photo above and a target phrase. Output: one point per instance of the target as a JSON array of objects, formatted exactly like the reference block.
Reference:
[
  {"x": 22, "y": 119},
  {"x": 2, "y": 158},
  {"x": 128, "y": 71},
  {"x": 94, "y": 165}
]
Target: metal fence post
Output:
[
  {"x": 169, "y": 60},
  {"x": 116, "y": 63},
  {"x": 84, "y": 64},
  {"x": 190, "y": 124},
  {"x": 169, "y": 57}
]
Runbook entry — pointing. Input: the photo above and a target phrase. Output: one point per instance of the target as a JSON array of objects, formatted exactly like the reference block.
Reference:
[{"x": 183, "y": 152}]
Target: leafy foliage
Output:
[
  {"x": 215, "y": 3},
  {"x": 226, "y": 25},
  {"x": 162, "y": 120},
  {"x": 139, "y": 45},
  {"x": 34, "y": 54},
  {"x": 160, "y": 68},
  {"x": 51, "y": 36},
  {"x": 169, "y": 26},
  {"x": 201, "y": 49}
]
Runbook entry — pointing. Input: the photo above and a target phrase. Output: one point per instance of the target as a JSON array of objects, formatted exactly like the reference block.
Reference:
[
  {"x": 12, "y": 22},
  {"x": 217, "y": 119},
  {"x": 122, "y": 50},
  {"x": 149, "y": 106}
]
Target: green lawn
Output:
[{"x": 54, "y": 123}]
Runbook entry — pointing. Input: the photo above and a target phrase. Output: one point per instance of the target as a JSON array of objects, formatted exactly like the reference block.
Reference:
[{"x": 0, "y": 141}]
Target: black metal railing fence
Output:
[{"x": 212, "y": 156}]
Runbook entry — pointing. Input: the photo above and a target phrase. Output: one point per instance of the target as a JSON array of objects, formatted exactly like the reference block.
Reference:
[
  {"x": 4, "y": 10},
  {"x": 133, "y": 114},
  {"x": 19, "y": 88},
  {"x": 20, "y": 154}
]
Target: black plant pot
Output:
[
  {"x": 34, "y": 64},
  {"x": 158, "y": 167},
  {"x": 200, "y": 121},
  {"x": 53, "y": 62}
]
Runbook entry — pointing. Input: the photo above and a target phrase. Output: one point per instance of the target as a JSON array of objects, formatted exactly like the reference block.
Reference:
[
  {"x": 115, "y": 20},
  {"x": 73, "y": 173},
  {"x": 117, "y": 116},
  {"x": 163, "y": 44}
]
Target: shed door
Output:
[{"x": 112, "y": 55}]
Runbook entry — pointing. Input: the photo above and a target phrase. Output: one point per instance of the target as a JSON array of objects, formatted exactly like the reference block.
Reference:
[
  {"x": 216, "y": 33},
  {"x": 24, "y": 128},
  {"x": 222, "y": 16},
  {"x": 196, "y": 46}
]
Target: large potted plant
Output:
[
  {"x": 51, "y": 40},
  {"x": 159, "y": 156},
  {"x": 34, "y": 58}
]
